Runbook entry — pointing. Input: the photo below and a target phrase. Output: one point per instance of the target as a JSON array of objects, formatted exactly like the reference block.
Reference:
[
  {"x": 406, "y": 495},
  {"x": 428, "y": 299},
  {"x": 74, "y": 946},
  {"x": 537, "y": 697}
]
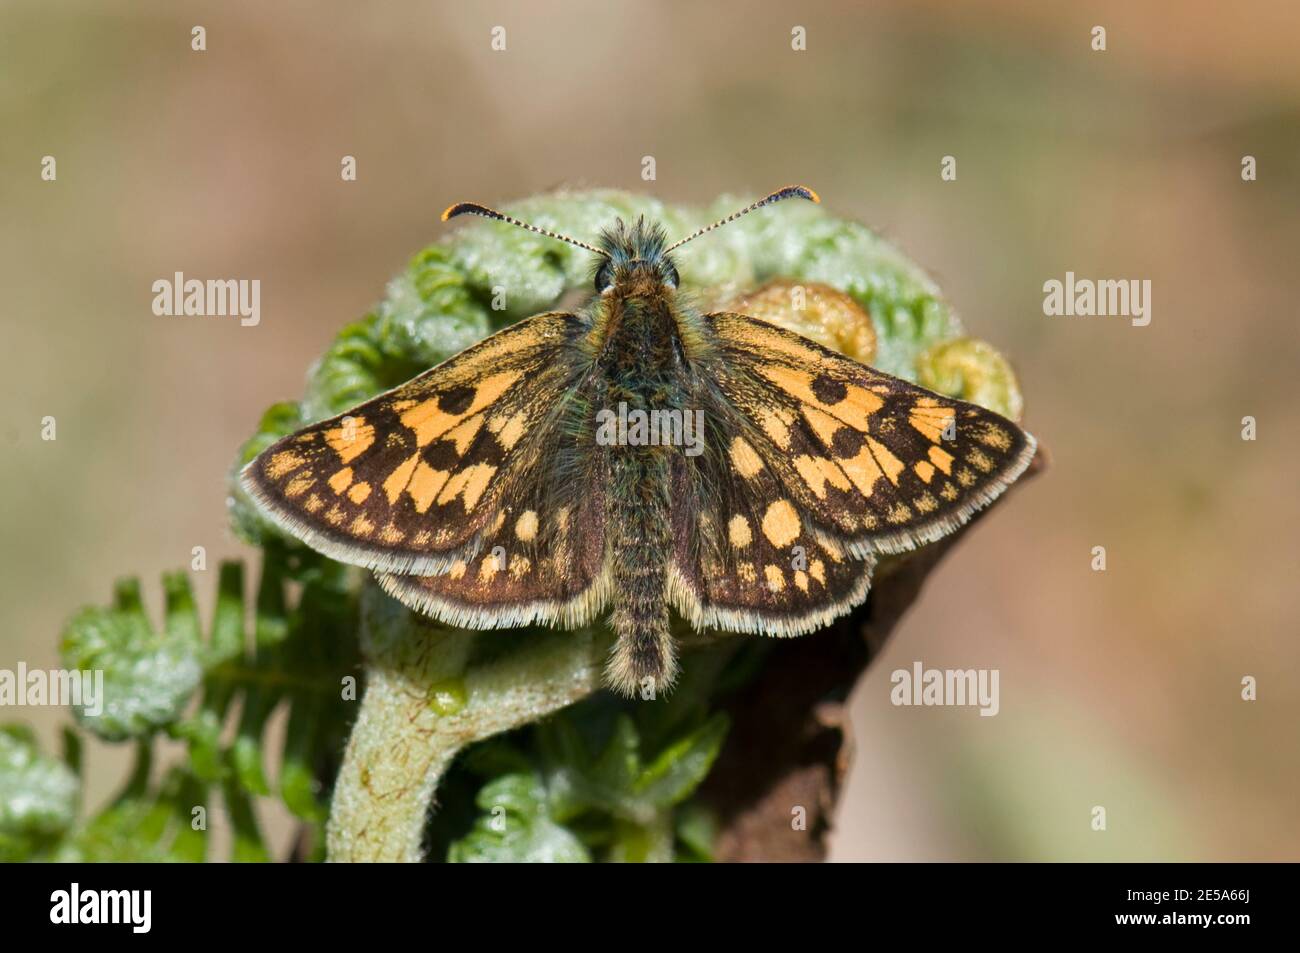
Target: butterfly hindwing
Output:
[
  {"x": 746, "y": 560},
  {"x": 542, "y": 556},
  {"x": 880, "y": 463},
  {"x": 405, "y": 481}
]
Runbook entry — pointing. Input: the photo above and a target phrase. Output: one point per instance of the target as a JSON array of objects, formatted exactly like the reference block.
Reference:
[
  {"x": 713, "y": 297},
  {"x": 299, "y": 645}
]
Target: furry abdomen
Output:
[{"x": 641, "y": 540}]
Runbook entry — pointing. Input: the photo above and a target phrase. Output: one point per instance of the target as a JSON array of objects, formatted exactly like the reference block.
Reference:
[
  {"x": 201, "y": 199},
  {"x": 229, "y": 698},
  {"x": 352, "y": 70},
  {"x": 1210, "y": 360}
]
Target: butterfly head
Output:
[{"x": 635, "y": 258}]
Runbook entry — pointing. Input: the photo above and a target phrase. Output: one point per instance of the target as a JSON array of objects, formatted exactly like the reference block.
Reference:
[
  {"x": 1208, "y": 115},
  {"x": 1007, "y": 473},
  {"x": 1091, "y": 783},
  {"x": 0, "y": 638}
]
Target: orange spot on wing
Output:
[
  {"x": 429, "y": 422},
  {"x": 890, "y": 464},
  {"x": 425, "y": 484},
  {"x": 781, "y": 523},
  {"x": 398, "y": 479},
  {"x": 508, "y": 429},
  {"x": 942, "y": 459},
  {"x": 862, "y": 470},
  {"x": 818, "y": 471},
  {"x": 299, "y": 485},
  {"x": 855, "y": 409},
  {"x": 282, "y": 463},
  {"x": 350, "y": 440},
  {"x": 994, "y": 436},
  {"x": 464, "y": 434},
  {"x": 776, "y": 424},
  {"x": 738, "y": 532},
  {"x": 746, "y": 461},
  {"x": 931, "y": 418},
  {"x": 468, "y": 483},
  {"x": 340, "y": 481},
  {"x": 526, "y": 526}
]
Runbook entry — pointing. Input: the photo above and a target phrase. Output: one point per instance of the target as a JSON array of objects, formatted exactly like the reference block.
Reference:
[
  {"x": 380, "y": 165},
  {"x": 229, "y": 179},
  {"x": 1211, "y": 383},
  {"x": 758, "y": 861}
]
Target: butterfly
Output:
[{"x": 637, "y": 456}]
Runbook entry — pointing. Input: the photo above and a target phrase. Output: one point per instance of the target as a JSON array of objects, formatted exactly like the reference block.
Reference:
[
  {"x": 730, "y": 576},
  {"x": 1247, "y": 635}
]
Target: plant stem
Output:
[{"x": 423, "y": 703}]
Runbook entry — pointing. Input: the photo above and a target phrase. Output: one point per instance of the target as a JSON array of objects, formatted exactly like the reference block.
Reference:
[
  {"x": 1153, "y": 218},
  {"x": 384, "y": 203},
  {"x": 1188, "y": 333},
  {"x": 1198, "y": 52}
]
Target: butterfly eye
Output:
[{"x": 604, "y": 276}]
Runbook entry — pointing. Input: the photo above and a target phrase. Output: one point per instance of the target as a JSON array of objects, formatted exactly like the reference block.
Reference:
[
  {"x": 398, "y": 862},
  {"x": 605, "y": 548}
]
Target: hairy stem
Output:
[{"x": 424, "y": 701}]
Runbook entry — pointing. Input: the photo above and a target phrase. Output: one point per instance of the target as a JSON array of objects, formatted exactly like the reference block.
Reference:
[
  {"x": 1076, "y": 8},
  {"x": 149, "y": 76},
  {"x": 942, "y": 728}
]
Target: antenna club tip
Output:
[
  {"x": 795, "y": 191},
  {"x": 449, "y": 211}
]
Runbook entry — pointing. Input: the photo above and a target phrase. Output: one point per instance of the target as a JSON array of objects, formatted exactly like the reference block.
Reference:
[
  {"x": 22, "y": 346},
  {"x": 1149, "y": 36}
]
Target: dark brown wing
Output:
[{"x": 883, "y": 464}]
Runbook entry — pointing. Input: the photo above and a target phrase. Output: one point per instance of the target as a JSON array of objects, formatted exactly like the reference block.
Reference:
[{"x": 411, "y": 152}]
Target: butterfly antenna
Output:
[
  {"x": 473, "y": 208},
  {"x": 789, "y": 192}
]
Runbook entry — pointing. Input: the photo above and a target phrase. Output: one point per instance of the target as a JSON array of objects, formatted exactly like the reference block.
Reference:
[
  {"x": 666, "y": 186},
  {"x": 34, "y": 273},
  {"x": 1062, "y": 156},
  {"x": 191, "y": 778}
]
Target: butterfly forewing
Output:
[
  {"x": 405, "y": 482},
  {"x": 876, "y": 461}
]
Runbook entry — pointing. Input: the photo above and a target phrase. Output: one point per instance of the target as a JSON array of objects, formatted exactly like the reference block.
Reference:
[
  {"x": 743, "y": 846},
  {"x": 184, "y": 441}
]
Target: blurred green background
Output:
[{"x": 1119, "y": 689}]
